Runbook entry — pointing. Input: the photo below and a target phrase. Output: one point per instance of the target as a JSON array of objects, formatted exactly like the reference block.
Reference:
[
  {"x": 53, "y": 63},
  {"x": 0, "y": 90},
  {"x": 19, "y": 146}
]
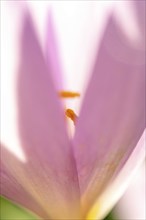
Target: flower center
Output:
[{"x": 69, "y": 112}]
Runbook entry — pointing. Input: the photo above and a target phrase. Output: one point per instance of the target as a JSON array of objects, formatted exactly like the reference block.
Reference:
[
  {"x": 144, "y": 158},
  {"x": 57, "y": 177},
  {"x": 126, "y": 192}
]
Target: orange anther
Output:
[
  {"x": 70, "y": 114},
  {"x": 68, "y": 94}
]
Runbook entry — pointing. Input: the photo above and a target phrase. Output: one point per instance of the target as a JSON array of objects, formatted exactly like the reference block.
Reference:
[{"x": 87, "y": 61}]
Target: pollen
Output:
[
  {"x": 68, "y": 94},
  {"x": 71, "y": 114}
]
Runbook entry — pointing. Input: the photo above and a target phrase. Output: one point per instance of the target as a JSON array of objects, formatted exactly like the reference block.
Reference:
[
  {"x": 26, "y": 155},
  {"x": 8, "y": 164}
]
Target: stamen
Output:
[
  {"x": 68, "y": 94},
  {"x": 70, "y": 114}
]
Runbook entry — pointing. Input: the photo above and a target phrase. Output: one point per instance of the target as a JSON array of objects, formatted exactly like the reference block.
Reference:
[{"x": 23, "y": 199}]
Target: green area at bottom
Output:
[{"x": 10, "y": 211}]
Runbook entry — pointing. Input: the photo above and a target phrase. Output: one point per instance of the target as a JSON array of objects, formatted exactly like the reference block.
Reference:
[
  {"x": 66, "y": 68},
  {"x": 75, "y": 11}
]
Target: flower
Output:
[{"x": 81, "y": 178}]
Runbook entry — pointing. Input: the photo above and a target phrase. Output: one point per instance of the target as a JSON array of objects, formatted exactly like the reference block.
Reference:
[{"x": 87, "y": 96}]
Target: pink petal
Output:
[
  {"x": 53, "y": 53},
  {"x": 112, "y": 116},
  {"x": 13, "y": 190},
  {"x": 49, "y": 174},
  {"x": 107, "y": 200}
]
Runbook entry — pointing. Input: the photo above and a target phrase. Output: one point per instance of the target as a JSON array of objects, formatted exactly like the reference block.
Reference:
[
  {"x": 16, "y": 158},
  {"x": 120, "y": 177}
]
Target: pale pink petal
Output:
[
  {"x": 49, "y": 173},
  {"x": 52, "y": 52},
  {"x": 14, "y": 191},
  {"x": 115, "y": 189},
  {"x": 133, "y": 202},
  {"x": 111, "y": 121}
]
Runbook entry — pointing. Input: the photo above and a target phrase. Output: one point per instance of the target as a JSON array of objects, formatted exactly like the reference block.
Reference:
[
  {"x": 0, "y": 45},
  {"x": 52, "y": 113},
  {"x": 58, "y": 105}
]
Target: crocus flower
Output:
[{"x": 81, "y": 178}]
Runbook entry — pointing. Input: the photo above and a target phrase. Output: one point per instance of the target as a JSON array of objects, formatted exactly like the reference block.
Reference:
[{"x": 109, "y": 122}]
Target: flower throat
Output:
[{"x": 69, "y": 112}]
